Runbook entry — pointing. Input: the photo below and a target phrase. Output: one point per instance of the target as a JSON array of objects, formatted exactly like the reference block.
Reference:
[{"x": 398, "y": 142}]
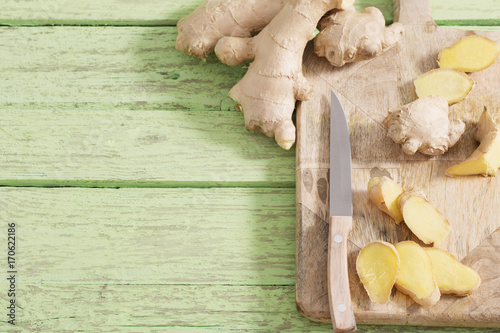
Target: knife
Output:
[{"x": 339, "y": 295}]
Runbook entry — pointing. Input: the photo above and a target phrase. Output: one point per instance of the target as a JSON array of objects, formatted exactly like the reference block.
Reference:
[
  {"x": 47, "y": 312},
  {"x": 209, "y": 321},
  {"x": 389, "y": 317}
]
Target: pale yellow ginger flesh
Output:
[
  {"x": 451, "y": 275},
  {"x": 377, "y": 266},
  {"x": 422, "y": 218},
  {"x": 485, "y": 160},
  {"x": 423, "y": 125},
  {"x": 450, "y": 83},
  {"x": 384, "y": 193},
  {"x": 415, "y": 277},
  {"x": 470, "y": 54},
  {"x": 274, "y": 81},
  {"x": 347, "y": 36}
]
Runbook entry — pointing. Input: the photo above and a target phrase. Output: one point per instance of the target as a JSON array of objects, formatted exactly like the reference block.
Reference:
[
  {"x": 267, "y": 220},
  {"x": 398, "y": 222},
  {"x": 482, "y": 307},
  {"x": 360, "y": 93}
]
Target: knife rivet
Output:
[
  {"x": 338, "y": 238},
  {"x": 341, "y": 307}
]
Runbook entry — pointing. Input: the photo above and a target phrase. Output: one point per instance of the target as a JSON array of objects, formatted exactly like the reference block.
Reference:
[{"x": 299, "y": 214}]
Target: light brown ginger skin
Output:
[
  {"x": 348, "y": 36},
  {"x": 198, "y": 32},
  {"x": 424, "y": 126},
  {"x": 274, "y": 81}
]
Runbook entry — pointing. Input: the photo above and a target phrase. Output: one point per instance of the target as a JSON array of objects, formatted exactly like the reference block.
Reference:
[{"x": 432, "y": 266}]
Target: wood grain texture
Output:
[
  {"x": 116, "y": 12},
  {"x": 104, "y": 68},
  {"x": 138, "y": 148},
  {"x": 152, "y": 236},
  {"x": 368, "y": 90},
  {"x": 168, "y": 12}
]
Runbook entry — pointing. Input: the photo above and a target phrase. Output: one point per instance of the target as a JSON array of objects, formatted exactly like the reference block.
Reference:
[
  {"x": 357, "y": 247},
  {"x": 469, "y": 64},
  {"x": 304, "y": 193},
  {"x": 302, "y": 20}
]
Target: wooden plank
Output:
[
  {"x": 152, "y": 236},
  {"x": 138, "y": 149},
  {"x": 170, "y": 308},
  {"x": 120, "y": 68},
  {"x": 114, "y": 12},
  {"x": 159, "y": 12}
]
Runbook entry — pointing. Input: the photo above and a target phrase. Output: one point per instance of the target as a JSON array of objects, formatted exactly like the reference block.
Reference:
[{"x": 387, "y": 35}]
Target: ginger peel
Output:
[
  {"x": 415, "y": 277},
  {"x": 485, "y": 160},
  {"x": 424, "y": 125},
  {"x": 347, "y": 36},
  {"x": 452, "y": 84},
  {"x": 199, "y": 31},
  {"x": 377, "y": 266},
  {"x": 422, "y": 218},
  {"x": 470, "y": 54},
  {"x": 384, "y": 192},
  {"x": 452, "y": 277},
  {"x": 267, "y": 93}
]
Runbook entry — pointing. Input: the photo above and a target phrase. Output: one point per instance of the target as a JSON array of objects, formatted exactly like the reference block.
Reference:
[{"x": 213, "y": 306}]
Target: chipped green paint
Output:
[
  {"x": 138, "y": 149},
  {"x": 158, "y": 12}
]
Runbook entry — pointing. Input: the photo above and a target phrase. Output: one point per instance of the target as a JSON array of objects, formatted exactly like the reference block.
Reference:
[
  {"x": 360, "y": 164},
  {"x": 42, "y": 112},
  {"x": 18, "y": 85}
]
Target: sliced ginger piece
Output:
[
  {"x": 452, "y": 84},
  {"x": 470, "y": 54},
  {"x": 384, "y": 192},
  {"x": 377, "y": 266},
  {"x": 451, "y": 275},
  {"x": 422, "y": 218},
  {"x": 415, "y": 277},
  {"x": 485, "y": 160}
]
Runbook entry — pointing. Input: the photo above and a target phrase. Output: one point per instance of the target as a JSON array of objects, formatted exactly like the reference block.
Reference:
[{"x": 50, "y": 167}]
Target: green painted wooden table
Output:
[{"x": 137, "y": 199}]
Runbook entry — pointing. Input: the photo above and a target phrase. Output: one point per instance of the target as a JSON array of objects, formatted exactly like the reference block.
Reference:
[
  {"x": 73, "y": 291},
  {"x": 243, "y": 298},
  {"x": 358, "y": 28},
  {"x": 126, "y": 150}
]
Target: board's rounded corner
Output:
[{"x": 311, "y": 314}]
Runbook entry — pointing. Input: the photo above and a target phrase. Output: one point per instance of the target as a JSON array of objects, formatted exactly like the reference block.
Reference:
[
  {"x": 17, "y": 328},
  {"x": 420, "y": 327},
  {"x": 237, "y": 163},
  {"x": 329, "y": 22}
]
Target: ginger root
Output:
[
  {"x": 449, "y": 83},
  {"x": 346, "y": 36},
  {"x": 470, "y": 54},
  {"x": 415, "y": 277},
  {"x": 485, "y": 160},
  {"x": 199, "y": 32},
  {"x": 384, "y": 192},
  {"x": 423, "y": 125},
  {"x": 422, "y": 218},
  {"x": 451, "y": 275},
  {"x": 377, "y": 266},
  {"x": 274, "y": 80}
]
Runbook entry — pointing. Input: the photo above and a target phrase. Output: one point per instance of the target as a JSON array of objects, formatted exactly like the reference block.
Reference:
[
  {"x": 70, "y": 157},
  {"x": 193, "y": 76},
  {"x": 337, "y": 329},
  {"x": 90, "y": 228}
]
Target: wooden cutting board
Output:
[{"x": 368, "y": 90}]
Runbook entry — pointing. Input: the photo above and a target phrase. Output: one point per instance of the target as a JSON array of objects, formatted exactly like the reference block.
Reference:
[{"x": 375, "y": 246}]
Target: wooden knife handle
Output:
[{"x": 339, "y": 294}]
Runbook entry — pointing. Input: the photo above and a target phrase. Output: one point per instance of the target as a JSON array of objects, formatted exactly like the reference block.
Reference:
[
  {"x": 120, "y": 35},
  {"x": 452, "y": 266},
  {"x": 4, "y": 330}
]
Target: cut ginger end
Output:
[
  {"x": 449, "y": 83},
  {"x": 485, "y": 160},
  {"x": 451, "y": 275},
  {"x": 415, "y": 277},
  {"x": 384, "y": 193},
  {"x": 470, "y": 54},
  {"x": 422, "y": 218},
  {"x": 377, "y": 266}
]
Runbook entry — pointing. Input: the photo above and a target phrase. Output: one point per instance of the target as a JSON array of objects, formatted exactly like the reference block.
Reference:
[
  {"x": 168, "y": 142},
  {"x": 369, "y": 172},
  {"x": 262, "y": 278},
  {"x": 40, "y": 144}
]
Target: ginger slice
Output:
[
  {"x": 415, "y": 277},
  {"x": 384, "y": 192},
  {"x": 424, "y": 125},
  {"x": 470, "y": 54},
  {"x": 422, "y": 218},
  {"x": 451, "y": 275},
  {"x": 485, "y": 160},
  {"x": 449, "y": 83},
  {"x": 377, "y": 266}
]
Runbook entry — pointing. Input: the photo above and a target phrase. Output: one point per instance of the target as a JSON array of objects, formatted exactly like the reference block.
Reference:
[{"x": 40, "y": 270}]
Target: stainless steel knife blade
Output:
[
  {"x": 340, "y": 161},
  {"x": 339, "y": 294}
]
